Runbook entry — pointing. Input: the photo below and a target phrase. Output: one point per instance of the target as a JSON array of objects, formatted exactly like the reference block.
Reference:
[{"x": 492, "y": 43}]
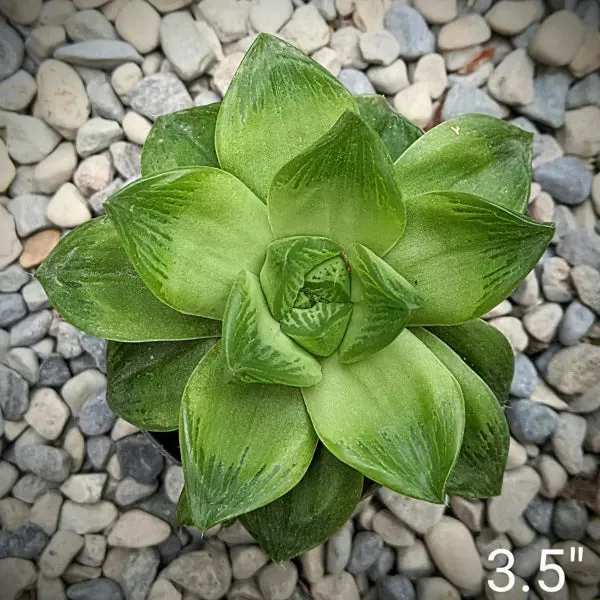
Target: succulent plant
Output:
[{"x": 295, "y": 283}]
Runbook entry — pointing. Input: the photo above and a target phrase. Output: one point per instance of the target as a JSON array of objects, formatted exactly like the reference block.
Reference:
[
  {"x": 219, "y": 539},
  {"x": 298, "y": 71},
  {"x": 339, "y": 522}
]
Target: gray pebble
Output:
[
  {"x": 27, "y": 541},
  {"x": 89, "y": 25},
  {"x": 469, "y": 99},
  {"x": 159, "y": 94},
  {"x": 531, "y": 422},
  {"x": 95, "y": 416},
  {"x": 339, "y": 547},
  {"x": 576, "y": 322},
  {"x": 140, "y": 458},
  {"x": 411, "y": 30},
  {"x": 35, "y": 297},
  {"x": 96, "y": 348},
  {"x": 549, "y": 99},
  {"x": 31, "y": 329},
  {"x": 82, "y": 363},
  {"x": 527, "y": 559},
  {"x": 539, "y": 514},
  {"x": 566, "y": 179},
  {"x": 584, "y": 92},
  {"x": 356, "y": 81},
  {"x": 30, "y": 487},
  {"x": 67, "y": 341},
  {"x": 53, "y": 464},
  {"x": 29, "y": 210},
  {"x": 570, "y": 520},
  {"x": 580, "y": 247},
  {"x": 126, "y": 158},
  {"x": 12, "y": 51},
  {"x": 366, "y": 548},
  {"x": 98, "y": 54},
  {"x": 54, "y": 371},
  {"x": 395, "y": 587},
  {"x": 525, "y": 377},
  {"x": 12, "y": 309},
  {"x": 522, "y": 40},
  {"x": 14, "y": 394},
  {"x": 95, "y": 589},
  {"x": 98, "y": 450},
  {"x": 13, "y": 278},
  {"x": 139, "y": 573},
  {"x": 383, "y": 565},
  {"x": 104, "y": 101}
]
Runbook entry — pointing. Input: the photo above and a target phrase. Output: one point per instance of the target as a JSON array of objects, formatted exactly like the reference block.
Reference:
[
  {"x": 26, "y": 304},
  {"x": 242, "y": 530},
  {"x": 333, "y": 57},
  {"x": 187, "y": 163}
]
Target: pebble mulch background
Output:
[{"x": 87, "y": 505}]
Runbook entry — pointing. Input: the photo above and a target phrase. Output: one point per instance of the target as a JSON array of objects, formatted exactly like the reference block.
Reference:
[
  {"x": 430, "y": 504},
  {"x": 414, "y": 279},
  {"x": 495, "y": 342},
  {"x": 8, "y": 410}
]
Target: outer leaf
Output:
[
  {"x": 395, "y": 131},
  {"x": 383, "y": 303},
  {"x": 91, "y": 282},
  {"x": 146, "y": 381},
  {"x": 484, "y": 349},
  {"x": 482, "y": 460},
  {"x": 287, "y": 264},
  {"x": 184, "y": 514},
  {"x": 278, "y": 104},
  {"x": 182, "y": 139},
  {"x": 476, "y": 154},
  {"x": 464, "y": 255},
  {"x": 311, "y": 512},
  {"x": 319, "y": 329},
  {"x": 341, "y": 188},
  {"x": 255, "y": 348},
  {"x": 188, "y": 233},
  {"x": 243, "y": 445},
  {"x": 397, "y": 417}
]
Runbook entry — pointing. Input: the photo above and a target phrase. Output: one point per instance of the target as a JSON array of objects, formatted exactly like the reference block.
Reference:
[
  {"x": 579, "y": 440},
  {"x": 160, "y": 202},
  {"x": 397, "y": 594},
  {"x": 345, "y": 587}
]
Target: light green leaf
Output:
[
  {"x": 383, "y": 303},
  {"x": 397, "y": 417},
  {"x": 286, "y": 266},
  {"x": 320, "y": 328},
  {"x": 91, "y": 282},
  {"x": 181, "y": 139},
  {"x": 484, "y": 349},
  {"x": 476, "y": 154},
  {"x": 254, "y": 346},
  {"x": 188, "y": 233},
  {"x": 278, "y": 104},
  {"x": 243, "y": 445},
  {"x": 311, "y": 512},
  {"x": 341, "y": 188},
  {"x": 464, "y": 255},
  {"x": 480, "y": 467},
  {"x": 395, "y": 131},
  {"x": 146, "y": 380}
]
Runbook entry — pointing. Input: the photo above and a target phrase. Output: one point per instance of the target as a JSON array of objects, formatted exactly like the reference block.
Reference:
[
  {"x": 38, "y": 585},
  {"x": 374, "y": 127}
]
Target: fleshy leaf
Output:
[
  {"x": 383, "y": 303},
  {"x": 286, "y": 266},
  {"x": 146, "y": 380},
  {"x": 184, "y": 514},
  {"x": 278, "y": 104},
  {"x": 464, "y": 255},
  {"x": 181, "y": 139},
  {"x": 254, "y": 346},
  {"x": 311, "y": 512},
  {"x": 341, "y": 188},
  {"x": 397, "y": 417},
  {"x": 476, "y": 154},
  {"x": 189, "y": 232},
  {"x": 484, "y": 349},
  {"x": 91, "y": 282},
  {"x": 480, "y": 467},
  {"x": 395, "y": 131},
  {"x": 243, "y": 445},
  {"x": 320, "y": 328}
]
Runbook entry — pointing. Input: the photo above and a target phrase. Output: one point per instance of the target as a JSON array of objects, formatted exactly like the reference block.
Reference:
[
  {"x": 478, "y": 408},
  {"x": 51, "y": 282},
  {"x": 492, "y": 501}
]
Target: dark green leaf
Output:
[
  {"x": 397, "y": 417},
  {"x": 91, "y": 282},
  {"x": 182, "y": 139},
  {"x": 184, "y": 514},
  {"x": 484, "y": 349},
  {"x": 482, "y": 460},
  {"x": 311, "y": 512},
  {"x": 146, "y": 380},
  {"x": 383, "y": 303},
  {"x": 464, "y": 255},
  {"x": 278, "y": 104},
  {"x": 243, "y": 445},
  {"x": 395, "y": 131},
  {"x": 341, "y": 188},
  {"x": 255, "y": 348},
  {"x": 476, "y": 154},
  {"x": 189, "y": 232}
]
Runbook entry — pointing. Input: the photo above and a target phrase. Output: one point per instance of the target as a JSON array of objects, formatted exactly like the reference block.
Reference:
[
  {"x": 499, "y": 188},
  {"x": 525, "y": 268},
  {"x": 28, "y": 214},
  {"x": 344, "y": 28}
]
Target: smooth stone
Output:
[
  {"x": 587, "y": 59},
  {"x": 577, "y": 321},
  {"x": 29, "y": 139},
  {"x": 395, "y": 587},
  {"x": 356, "y": 82},
  {"x": 95, "y": 416},
  {"x": 8, "y": 476},
  {"x": 411, "y": 30},
  {"x": 94, "y": 550},
  {"x": 130, "y": 491},
  {"x": 43, "y": 40},
  {"x": 366, "y": 547},
  {"x": 512, "y": 80},
  {"x": 269, "y": 16},
  {"x": 381, "y": 567},
  {"x": 584, "y": 572},
  {"x": 414, "y": 103},
  {"x": 35, "y": 297},
  {"x": 84, "y": 488},
  {"x": 12, "y": 309},
  {"x": 125, "y": 77},
  {"x": 174, "y": 485},
  {"x": 379, "y": 48},
  {"x": 436, "y": 588},
  {"x": 587, "y": 283},
  {"x": 8, "y": 171},
  {"x": 391, "y": 530},
  {"x": 14, "y": 394},
  {"x": 558, "y": 39},
  {"x": 570, "y": 520},
  {"x": 431, "y": 71},
  {"x": 59, "y": 553},
  {"x": 24, "y": 12},
  {"x": 228, "y": 18},
  {"x": 580, "y": 247},
  {"x": 46, "y": 510},
  {"x": 27, "y": 541},
  {"x": 31, "y": 329},
  {"x": 96, "y": 135},
  {"x": 17, "y": 575},
  {"x": 105, "y": 102},
  {"x": 54, "y": 371},
  {"x": 29, "y": 212},
  {"x": 510, "y": 17},
  {"x": 159, "y": 94},
  {"x": 567, "y": 442},
  {"x": 575, "y": 369},
  {"x": 126, "y": 158},
  {"x": 340, "y": 586},
  {"x": 419, "y": 515},
  {"x": 52, "y": 464},
  {"x": 470, "y": 512},
  {"x": 469, "y": 99},
  {"x": 338, "y": 551},
  {"x": 89, "y": 25},
  {"x": 549, "y": 99},
  {"x": 453, "y": 550},
  {"x": 307, "y": 29},
  {"x": 95, "y": 589},
  {"x": 579, "y": 135},
  {"x": 565, "y": 179},
  {"x": 10, "y": 246},
  {"x": 414, "y": 561},
  {"x": 531, "y": 422},
  {"x": 437, "y": 12},
  {"x": 139, "y": 571},
  {"x": 139, "y": 23},
  {"x": 57, "y": 168},
  {"x": 17, "y": 91},
  {"x": 87, "y": 518},
  {"x": 278, "y": 580},
  {"x": 98, "y": 54},
  {"x": 542, "y": 321},
  {"x": 68, "y": 208},
  {"x": 464, "y": 32},
  {"x": 389, "y": 80},
  {"x": 556, "y": 279},
  {"x": 47, "y": 413},
  {"x": 539, "y": 514},
  {"x": 345, "y": 41},
  {"x": 518, "y": 489},
  {"x": 12, "y": 51},
  {"x": 138, "y": 529},
  {"x": 525, "y": 377}
]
